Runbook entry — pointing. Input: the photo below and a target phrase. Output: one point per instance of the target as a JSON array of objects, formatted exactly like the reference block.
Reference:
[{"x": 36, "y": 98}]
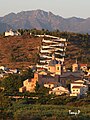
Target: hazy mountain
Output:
[
  {"x": 4, "y": 27},
  {"x": 40, "y": 19}
]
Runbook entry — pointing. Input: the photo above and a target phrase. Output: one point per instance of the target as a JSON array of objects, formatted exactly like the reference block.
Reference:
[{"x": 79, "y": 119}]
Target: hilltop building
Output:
[{"x": 11, "y": 33}]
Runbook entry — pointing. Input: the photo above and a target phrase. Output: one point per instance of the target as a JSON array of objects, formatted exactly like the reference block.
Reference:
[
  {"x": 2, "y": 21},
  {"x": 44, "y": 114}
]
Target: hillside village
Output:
[
  {"x": 45, "y": 60},
  {"x": 50, "y": 71},
  {"x": 44, "y": 76}
]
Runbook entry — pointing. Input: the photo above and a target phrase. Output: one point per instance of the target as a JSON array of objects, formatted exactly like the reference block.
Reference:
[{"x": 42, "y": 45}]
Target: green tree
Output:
[
  {"x": 37, "y": 87},
  {"x": 5, "y": 102},
  {"x": 28, "y": 73},
  {"x": 12, "y": 83}
]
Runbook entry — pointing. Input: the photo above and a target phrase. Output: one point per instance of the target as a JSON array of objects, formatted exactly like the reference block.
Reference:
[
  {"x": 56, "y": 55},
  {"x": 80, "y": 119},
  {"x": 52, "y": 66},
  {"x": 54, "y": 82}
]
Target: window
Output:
[{"x": 57, "y": 68}]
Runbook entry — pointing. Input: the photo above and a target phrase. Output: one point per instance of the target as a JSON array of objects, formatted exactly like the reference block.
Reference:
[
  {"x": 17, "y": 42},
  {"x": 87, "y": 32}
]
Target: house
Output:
[
  {"x": 29, "y": 85},
  {"x": 70, "y": 76},
  {"x": 2, "y": 68},
  {"x": 52, "y": 85},
  {"x": 76, "y": 90},
  {"x": 79, "y": 88},
  {"x": 11, "y": 33},
  {"x": 83, "y": 67},
  {"x": 59, "y": 91}
]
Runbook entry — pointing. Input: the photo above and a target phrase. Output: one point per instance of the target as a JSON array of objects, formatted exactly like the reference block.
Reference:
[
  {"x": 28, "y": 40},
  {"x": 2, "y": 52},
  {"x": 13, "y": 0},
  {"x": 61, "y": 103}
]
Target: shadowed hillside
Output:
[
  {"x": 78, "y": 48},
  {"x": 19, "y": 51}
]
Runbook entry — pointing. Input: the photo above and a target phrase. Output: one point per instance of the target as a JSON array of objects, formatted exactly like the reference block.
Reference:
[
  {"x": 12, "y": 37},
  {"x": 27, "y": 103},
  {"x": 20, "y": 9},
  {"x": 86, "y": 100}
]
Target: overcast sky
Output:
[{"x": 64, "y": 8}]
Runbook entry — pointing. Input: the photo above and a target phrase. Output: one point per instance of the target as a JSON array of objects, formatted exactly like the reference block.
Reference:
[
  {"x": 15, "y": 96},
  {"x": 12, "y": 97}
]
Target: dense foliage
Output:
[
  {"x": 30, "y": 110},
  {"x": 13, "y": 82},
  {"x": 41, "y": 106}
]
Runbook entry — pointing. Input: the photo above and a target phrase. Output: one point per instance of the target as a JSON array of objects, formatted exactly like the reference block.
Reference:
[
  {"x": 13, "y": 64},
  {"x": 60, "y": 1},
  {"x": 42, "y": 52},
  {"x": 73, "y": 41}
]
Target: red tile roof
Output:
[{"x": 83, "y": 65}]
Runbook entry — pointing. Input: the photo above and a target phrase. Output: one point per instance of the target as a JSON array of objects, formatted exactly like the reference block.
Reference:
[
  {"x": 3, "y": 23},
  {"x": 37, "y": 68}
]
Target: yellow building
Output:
[
  {"x": 75, "y": 67},
  {"x": 54, "y": 66},
  {"x": 29, "y": 84}
]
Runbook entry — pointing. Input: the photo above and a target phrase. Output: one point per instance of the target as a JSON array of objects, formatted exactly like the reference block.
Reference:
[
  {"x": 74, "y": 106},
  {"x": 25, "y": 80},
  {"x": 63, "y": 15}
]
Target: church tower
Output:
[
  {"x": 58, "y": 69},
  {"x": 75, "y": 67}
]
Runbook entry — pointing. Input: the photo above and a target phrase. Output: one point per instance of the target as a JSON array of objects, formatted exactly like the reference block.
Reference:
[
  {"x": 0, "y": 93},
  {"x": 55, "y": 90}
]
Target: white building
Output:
[
  {"x": 52, "y": 84},
  {"x": 11, "y": 33},
  {"x": 79, "y": 87},
  {"x": 2, "y": 68},
  {"x": 59, "y": 91}
]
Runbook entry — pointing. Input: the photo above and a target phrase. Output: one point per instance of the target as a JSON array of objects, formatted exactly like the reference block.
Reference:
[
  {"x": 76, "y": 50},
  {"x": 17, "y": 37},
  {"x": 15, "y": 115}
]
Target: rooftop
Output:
[
  {"x": 77, "y": 83},
  {"x": 53, "y": 62},
  {"x": 76, "y": 86}
]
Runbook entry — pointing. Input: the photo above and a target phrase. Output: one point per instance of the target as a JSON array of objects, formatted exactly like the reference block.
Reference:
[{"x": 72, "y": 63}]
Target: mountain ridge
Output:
[{"x": 40, "y": 19}]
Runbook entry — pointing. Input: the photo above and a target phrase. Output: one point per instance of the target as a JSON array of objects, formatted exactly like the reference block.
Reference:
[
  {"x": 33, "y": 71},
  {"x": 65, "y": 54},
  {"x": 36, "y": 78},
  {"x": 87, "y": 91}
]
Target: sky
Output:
[{"x": 64, "y": 8}]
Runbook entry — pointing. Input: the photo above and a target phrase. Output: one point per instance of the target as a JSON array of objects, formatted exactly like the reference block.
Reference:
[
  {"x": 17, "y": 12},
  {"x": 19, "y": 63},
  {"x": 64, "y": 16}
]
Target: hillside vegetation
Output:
[
  {"x": 22, "y": 51},
  {"x": 45, "y": 108},
  {"x": 19, "y": 51}
]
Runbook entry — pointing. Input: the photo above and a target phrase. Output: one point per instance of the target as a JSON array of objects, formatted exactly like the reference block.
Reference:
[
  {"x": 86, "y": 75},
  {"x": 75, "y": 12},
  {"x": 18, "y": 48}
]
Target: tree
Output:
[
  {"x": 37, "y": 86},
  {"x": 12, "y": 83},
  {"x": 28, "y": 73},
  {"x": 5, "y": 102}
]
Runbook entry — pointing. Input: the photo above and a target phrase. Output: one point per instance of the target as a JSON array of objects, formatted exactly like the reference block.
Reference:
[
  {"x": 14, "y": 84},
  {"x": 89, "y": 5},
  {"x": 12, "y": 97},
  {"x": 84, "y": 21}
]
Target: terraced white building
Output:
[{"x": 50, "y": 45}]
